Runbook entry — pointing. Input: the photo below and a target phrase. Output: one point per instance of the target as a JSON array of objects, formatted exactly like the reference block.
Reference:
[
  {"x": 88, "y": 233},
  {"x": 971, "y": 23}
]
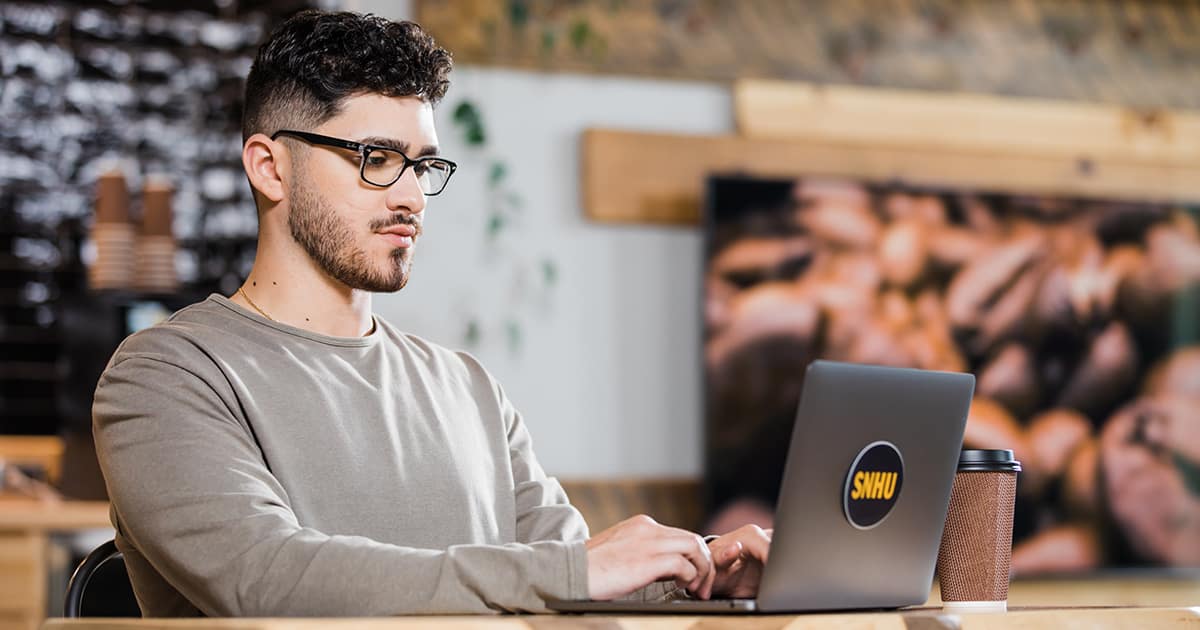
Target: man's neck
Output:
[{"x": 297, "y": 293}]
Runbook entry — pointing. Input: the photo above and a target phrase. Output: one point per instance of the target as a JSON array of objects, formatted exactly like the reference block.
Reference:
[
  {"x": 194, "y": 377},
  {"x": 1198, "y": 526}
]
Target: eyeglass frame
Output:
[{"x": 365, "y": 149}]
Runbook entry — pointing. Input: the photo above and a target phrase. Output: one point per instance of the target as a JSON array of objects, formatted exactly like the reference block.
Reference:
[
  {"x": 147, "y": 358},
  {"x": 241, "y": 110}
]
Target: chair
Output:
[{"x": 100, "y": 586}]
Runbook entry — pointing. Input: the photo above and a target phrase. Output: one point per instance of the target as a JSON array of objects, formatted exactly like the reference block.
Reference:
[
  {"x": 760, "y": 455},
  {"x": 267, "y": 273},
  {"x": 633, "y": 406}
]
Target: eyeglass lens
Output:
[{"x": 382, "y": 168}]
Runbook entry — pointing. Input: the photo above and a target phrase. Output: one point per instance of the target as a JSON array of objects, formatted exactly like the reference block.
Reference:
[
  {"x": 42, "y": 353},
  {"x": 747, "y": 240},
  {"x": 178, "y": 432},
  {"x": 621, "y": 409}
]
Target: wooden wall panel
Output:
[
  {"x": 632, "y": 177},
  {"x": 781, "y": 109},
  {"x": 604, "y": 503}
]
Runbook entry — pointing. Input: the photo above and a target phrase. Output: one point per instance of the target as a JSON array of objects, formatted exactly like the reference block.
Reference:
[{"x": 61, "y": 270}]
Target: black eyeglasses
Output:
[{"x": 381, "y": 166}]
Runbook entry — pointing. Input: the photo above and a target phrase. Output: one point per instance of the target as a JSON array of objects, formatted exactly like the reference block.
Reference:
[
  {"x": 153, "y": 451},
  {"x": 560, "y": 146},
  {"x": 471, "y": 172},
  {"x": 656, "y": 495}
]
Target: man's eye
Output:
[{"x": 420, "y": 168}]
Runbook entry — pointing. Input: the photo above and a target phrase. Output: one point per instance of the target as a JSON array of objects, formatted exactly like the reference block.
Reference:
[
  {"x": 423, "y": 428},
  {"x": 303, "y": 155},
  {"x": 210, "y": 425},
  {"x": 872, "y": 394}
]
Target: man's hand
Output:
[
  {"x": 739, "y": 557},
  {"x": 637, "y": 552}
]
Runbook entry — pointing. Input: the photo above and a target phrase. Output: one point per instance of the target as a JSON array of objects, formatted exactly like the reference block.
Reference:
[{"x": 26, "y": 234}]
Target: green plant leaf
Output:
[
  {"x": 513, "y": 328},
  {"x": 467, "y": 117},
  {"x": 518, "y": 13},
  {"x": 496, "y": 224},
  {"x": 472, "y": 335},
  {"x": 549, "y": 38},
  {"x": 497, "y": 174},
  {"x": 489, "y": 33},
  {"x": 599, "y": 47},
  {"x": 515, "y": 201},
  {"x": 580, "y": 31},
  {"x": 475, "y": 136},
  {"x": 466, "y": 113}
]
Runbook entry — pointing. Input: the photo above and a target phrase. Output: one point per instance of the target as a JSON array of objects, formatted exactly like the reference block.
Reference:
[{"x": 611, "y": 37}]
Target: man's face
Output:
[{"x": 362, "y": 235}]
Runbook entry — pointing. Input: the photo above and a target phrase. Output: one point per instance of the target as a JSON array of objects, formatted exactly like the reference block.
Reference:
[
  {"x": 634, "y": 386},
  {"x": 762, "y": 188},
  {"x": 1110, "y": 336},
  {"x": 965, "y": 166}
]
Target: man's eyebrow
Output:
[{"x": 399, "y": 145}]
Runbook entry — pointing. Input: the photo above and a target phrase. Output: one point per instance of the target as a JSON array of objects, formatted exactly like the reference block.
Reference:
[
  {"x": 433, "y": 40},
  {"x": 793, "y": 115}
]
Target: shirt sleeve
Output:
[
  {"x": 543, "y": 509},
  {"x": 193, "y": 495}
]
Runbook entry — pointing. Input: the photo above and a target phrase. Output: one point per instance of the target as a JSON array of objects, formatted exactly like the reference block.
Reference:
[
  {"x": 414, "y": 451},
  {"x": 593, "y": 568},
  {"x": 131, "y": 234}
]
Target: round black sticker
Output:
[{"x": 873, "y": 484}]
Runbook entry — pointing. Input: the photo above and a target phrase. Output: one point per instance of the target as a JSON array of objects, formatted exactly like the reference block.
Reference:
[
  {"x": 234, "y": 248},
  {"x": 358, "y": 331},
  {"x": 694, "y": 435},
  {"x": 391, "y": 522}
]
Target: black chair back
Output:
[{"x": 100, "y": 586}]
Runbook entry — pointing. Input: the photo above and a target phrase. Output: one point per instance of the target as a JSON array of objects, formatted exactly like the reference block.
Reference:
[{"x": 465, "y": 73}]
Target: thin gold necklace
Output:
[{"x": 260, "y": 311}]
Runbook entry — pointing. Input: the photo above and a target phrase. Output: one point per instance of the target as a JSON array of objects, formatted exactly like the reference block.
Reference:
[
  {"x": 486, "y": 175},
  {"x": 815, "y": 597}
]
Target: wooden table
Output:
[
  {"x": 920, "y": 619},
  {"x": 1118, "y": 602},
  {"x": 1147, "y": 590},
  {"x": 25, "y": 526}
]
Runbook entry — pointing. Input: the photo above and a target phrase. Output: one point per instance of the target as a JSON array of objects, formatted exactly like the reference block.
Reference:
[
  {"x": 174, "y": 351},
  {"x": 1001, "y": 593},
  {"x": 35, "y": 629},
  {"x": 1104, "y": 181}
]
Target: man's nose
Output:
[{"x": 406, "y": 193}]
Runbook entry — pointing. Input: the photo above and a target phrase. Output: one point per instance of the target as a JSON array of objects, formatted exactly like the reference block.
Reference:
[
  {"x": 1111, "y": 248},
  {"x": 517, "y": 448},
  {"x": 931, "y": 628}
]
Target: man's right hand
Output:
[{"x": 637, "y": 552}]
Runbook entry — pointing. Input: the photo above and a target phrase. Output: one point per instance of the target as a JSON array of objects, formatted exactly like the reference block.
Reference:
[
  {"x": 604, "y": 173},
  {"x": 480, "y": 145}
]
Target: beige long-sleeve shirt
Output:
[{"x": 257, "y": 469}]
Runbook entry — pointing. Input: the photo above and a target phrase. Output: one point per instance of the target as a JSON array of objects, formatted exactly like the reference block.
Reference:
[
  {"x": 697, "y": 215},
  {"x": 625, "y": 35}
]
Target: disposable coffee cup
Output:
[
  {"x": 976, "y": 551},
  {"x": 112, "y": 198},
  {"x": 156, "y": 207}
]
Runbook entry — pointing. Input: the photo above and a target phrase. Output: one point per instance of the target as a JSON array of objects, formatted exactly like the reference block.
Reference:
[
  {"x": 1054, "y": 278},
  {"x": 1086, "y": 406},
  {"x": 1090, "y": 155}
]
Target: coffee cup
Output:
[{"x": 975, "y": 556}]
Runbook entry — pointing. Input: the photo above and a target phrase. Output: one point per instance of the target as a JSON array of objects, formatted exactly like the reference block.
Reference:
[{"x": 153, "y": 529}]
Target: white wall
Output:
[{"x": 608, "y": 375}]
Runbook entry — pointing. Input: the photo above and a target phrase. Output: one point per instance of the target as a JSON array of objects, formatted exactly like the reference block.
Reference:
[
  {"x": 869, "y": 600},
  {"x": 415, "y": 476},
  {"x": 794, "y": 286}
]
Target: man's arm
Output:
[
  {"x": 192, "y": 493},
  {"x": 543, "y": 511},
  {"x": 637, "y": 559}
]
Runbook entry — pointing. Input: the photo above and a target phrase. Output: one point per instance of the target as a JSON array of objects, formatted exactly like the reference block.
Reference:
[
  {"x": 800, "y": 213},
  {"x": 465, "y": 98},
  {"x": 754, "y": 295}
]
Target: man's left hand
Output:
[{"x": 738, "y": 558}]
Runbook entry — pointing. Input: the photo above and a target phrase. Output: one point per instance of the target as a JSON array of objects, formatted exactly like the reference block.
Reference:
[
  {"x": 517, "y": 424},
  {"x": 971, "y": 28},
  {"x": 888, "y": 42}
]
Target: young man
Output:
[{"x": 284, "y": 452}]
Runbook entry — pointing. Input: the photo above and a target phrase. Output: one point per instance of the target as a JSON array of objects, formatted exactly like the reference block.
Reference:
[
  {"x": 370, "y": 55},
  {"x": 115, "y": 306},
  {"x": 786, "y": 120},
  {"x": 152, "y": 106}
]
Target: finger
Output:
[
  {"x": 707, "y": 589},
  {"x": 691, "y": 546},
  {"x": 671, "y": 566},
  {"x": 703, "y": 555},
  {"x": 698, "y": 553},
  {"x": 671, "y": 540},
  {"x": 756, "y": 542},
  {"x": 696, "y": 586},
  {"x": 727, "y": 553},
  {"x": 727, "y": 562}
]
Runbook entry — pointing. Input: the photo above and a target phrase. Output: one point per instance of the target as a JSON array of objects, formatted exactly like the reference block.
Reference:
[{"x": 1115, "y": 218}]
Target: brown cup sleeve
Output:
[
  {"x": 156, "y": 210},
  {"x": 112, "y": 199},
  {"x": 976, "y": 551}
]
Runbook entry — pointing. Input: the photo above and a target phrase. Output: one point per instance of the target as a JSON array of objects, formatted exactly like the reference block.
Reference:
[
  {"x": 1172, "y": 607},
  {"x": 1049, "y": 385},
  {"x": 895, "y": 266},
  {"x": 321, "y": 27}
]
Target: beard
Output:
[{"x": 329, "y": 241}]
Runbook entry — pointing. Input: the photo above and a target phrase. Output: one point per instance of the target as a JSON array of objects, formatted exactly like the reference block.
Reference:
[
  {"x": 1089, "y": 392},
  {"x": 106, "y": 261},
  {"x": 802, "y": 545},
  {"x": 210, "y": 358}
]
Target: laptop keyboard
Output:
[{"x": 680, "y": 596}]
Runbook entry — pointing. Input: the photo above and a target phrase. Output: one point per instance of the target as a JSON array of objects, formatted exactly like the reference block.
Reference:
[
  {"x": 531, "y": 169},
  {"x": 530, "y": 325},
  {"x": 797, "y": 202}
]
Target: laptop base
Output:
[{"x": 673, "y": 607}]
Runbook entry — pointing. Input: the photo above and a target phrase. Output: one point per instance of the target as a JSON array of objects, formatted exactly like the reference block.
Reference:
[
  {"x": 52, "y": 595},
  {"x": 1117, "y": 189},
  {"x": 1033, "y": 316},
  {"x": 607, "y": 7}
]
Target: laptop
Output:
[{"x": 864, "y": 495}]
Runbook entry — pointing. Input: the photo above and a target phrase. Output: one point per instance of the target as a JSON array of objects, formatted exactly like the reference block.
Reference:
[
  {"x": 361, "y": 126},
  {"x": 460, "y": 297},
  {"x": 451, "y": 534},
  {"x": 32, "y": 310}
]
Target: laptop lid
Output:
[
  {"x": 864, "y": 495},
  {"x": 866, "y": 487}
]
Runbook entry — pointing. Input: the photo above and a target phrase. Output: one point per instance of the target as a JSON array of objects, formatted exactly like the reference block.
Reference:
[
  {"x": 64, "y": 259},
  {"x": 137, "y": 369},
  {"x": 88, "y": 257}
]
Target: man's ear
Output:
[{"x": 266, "y": 165}]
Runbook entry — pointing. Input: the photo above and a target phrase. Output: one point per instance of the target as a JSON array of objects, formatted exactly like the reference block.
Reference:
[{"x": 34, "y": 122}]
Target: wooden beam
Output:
[
  {"x": 631, "y": 177},
  {"x": 1132, "y": 52},
  {"x": 976, "y": 122}
]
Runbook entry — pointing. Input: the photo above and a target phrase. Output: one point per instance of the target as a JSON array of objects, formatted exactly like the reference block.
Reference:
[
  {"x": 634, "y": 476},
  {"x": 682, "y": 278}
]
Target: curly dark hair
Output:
[{"x": 317, "y": 59}]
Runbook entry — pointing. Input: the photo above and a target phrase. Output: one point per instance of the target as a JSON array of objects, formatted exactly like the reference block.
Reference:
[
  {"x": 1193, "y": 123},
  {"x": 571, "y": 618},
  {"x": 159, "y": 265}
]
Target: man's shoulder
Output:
[
  {"x": 181, "y": 339},
  {"x": 435, "y": 355}
]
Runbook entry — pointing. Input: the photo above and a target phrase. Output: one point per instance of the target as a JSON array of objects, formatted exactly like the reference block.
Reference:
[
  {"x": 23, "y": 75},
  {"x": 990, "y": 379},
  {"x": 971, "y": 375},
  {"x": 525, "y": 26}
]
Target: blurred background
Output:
[{"x": 664, "y": 210}]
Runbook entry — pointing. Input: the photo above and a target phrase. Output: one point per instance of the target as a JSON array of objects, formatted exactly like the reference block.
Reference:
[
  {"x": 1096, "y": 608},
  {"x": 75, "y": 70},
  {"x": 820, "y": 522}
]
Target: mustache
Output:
[{"x": 379, "y": 226}]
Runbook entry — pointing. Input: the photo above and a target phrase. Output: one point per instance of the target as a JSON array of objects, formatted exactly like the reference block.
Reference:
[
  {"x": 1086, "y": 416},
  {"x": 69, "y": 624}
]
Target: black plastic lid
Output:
[{"x": 988, "y": 460}]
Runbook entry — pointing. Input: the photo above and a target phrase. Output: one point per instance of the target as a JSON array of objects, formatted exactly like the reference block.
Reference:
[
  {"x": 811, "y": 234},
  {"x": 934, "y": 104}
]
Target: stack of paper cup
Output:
[
  {"x": 156, "y": 246},
  {"x": 113, "y": 235}
]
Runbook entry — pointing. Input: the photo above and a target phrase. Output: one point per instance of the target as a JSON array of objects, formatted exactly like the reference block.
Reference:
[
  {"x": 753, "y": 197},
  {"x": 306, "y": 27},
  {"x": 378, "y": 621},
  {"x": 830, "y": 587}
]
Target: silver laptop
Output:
[{"x": 864, "y": 495}]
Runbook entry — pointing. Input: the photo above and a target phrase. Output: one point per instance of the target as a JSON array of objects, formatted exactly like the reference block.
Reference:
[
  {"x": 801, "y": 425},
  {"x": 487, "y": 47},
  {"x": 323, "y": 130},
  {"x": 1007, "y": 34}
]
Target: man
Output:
[{"x": 284, "y": 452}]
